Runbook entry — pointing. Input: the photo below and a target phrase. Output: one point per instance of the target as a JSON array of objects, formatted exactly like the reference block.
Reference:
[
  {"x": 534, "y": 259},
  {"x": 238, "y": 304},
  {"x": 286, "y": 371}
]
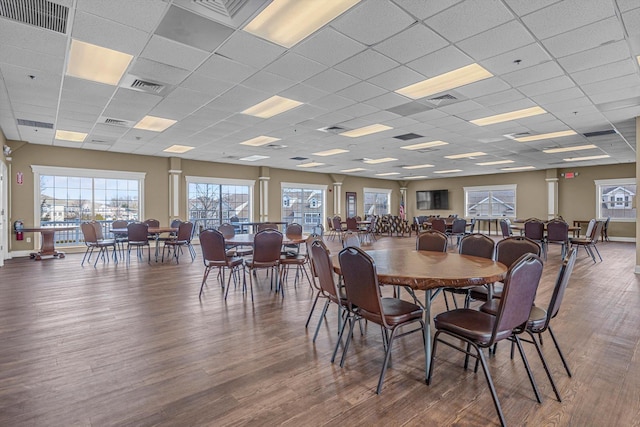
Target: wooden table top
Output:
[
  {"x": 425, "y": 270},
  {"x": 247, "y": 239},
  {"x": 520, "y": 227},
  {"x": 48, "y": 229}
]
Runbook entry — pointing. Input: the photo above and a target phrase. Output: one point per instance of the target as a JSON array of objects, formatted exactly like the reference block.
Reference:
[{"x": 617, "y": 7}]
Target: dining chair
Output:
[
  {"x": 267, "y": 226},
  {"x": 590, "y": 240},
  {"x": 329, "y": 290},
  {"x": 539, "y": 318},
  {"x": 534, "y": 230},
  {"x": 337, "y": 226},
  {"x": 505, "y": 227},
  {"x": 92, "y": 242},
  {"x": 458, "y": 229},
  {"x": 365, "y": 301},
  {"x": 293, "y": 230},
  {"x": 432, "y": 240},
  {"x": 352, "y": 224},
  {"x": 314, "y": 276},
  {"x": 120, "y": 238},
  {"x": 215, "y": 255},
  {"x": 291, "y": 257},
  {"x": 182, "y": 239},
  {"x": 482, "y": 330},
  {"x": 368, "y": 234},
  {"x": 266, "y": 255},
  {"x": 350, "y": 238},
  {"x": 137, "y": 236},
  {"x": 558, "y": 234},
  {"x": 439, "y": 224}
]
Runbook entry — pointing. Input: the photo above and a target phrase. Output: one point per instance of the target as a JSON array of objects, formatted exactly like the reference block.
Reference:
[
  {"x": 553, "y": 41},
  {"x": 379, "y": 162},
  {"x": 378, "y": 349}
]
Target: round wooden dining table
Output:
[
  {"x": 431, "y": 271},
  {"x": 247, "y": 239}
]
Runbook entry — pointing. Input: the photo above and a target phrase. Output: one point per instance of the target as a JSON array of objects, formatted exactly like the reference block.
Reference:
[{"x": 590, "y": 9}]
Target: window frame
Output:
[
  {"x": 297, "y": 185},
  {"x": 491, "y": 189},
  {"x": 386, "y": 191},
  {"x": 600, "y": 183}
]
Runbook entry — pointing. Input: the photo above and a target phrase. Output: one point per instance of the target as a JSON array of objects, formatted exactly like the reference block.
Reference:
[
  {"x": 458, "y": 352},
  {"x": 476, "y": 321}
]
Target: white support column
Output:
[
  {"x": 552, "y": 197},
  {"x": 174, "y": 193},
  {"x": 263, "y": 213},
  {"x": 337, "y": 198}
]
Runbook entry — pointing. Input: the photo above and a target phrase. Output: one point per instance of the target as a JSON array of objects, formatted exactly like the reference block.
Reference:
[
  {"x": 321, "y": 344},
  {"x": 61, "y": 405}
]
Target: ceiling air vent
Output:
[
  {"x": 146, "y": 86},
  {"x": 408, "y": 136},
  {"x": 117, "y": 122},
  {"x": 276, "y": 146},
  {"x": 333, "y": 129},
  {"x": 600, "y": 133},
  {"x": 223, "y": 7},
  {"x": 39, "y": 13},
  {"x": 299, "y": 158},
  {"x": 445, "y": 97},
  {"x": 35, "y": 124}
]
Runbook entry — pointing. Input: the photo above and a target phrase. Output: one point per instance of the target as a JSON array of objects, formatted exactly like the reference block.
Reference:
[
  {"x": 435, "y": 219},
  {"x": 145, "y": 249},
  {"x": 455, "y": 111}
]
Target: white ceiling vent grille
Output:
[
  {"x": 35, "y": 124},
  {"x": 223, "y": 7},
  {"x": 117, "y": 122},
  {"x": 39, "y": 13},
  {"x": 146, "y": 86}
]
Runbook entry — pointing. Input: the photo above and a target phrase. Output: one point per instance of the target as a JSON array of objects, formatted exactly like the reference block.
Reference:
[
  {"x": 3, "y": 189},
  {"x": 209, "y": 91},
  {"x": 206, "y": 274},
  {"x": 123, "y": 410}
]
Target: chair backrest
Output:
[
  {"x": 152, "y": 222},
  {"x": 175, "y": 223},
  {"x": 352, "y": 224},
  {"x": 510, "y": 249},
  {"x": 432, "y": 240},
  {"x": 458, "y": 226},
  {"x": 89, "y": 233},
  {"x": 213, "y": 247},
  {"x": 119, "y": 223},
  {"x": 227, "y": 230},
  {"x": 472, "y": 227},
  {"x": 561, "y": 284},
  {"x": 477, "y": 245},
  {"x": 137, "y": 232},
  {"x": 294, "y": 230},
  {"x": 534, "y": 229},
  {"x": 439, "y": 224},
  {"x": 557, "y": 231},
  {"x": 266, "y": 246},
  {"x": 505, "y": 227},
  {"x": 329, "y": 224},
  {"x": 518, "y": 293},
  {"x": 312, "y": 238},
  {"x": 597, "y": 230},
  {"x": 590, "y": 227},
  {"x": 184, "y": 231},
  {"x": 323, "y": 268},
  {"x": 267, "y": 226},
  {"x": 350, "y": 239},
  {"x": 98, "y": 228},
  {"x": 337, "y": 223},
  {"x": 361, "y": 283},
  {"x": 317, "y": 229},
  {"x": 371, "y": 228}
]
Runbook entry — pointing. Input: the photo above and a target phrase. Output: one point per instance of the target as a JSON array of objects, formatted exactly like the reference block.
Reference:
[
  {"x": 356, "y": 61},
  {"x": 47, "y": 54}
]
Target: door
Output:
[{"x": 4, "y": 229}]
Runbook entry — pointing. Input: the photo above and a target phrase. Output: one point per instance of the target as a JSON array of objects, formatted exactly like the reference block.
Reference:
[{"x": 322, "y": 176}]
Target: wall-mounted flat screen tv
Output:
[{"x": 432, "y": 199}]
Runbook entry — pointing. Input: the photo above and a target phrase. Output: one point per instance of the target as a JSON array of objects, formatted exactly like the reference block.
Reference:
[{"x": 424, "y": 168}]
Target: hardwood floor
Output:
[{"x": 84, "y": 346}]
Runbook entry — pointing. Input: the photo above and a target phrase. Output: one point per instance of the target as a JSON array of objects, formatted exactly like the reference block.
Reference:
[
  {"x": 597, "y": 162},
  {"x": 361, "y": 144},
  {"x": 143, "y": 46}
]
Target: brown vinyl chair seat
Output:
[
  {"x": 473, "y": 324},
  {"x": 395, "y": 311}
]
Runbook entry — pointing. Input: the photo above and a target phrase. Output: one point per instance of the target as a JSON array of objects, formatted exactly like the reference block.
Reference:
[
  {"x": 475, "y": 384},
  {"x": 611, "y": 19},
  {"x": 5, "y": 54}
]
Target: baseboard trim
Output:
[{"x": 623, "y": 239}]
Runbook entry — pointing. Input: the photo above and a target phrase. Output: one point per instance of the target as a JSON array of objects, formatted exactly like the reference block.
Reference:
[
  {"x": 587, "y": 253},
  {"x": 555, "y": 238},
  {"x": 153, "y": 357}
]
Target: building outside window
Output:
[
  {"x": 490, "y": 201},
  {"x": 303, "y": 204},
  {"x": 376, "y": 201},
  {"x": 615, "y": 199},
  {"x": 214, "y": 201}
]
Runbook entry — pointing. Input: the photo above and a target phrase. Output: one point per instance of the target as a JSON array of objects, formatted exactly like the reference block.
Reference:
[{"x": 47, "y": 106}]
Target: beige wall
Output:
[{"x": 577, "y": 196}]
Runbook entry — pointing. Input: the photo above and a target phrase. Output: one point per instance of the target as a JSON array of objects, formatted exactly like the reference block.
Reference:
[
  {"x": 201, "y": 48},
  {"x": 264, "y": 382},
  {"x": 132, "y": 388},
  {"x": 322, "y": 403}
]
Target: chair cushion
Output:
[
  {"x": 537, "y": 319},
  {"x": 471, "y": 324},
  {"x": 481, "y": 292},
  {"x": 295, "y": 259},
  {"x": 396, "y": 311}
]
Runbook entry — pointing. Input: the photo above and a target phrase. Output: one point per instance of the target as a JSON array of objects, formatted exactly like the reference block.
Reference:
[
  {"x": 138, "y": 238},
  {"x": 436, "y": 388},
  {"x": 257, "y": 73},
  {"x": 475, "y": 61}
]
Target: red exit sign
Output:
[{"x": 569, "y": 175}]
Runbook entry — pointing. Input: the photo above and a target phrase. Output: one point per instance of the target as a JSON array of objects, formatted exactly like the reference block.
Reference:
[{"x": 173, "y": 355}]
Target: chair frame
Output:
[{"x": 215, "y": 256}]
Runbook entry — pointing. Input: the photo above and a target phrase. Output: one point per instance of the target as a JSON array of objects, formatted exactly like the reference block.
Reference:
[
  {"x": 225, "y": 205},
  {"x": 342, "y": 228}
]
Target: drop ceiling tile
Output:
[
  {"x": 547, "y": 86},
  {"x": 303, "y": 93},
  {"x": 533, "y": 74},
  {"x": 625, "y": 5},
  {"x": 220, "y": 68},
  {"x": 585, "y": 38},
  {"x": 461, "y": 107},
  {"x": 32, "y": 38},
  {"x": 572, "y": 106},
  {"x": 567, "y": 15},
  {"x": 357, "y": 110},
  {"x": 561, "y": 95},
  {"x": 412, "y": 43},
  {"x": 141, "y": 14},
  {"x": 524, "y": 7},
  {"x": 193, "y": 30},
  {"x": 496, "y": 41},
  {"x": 604, "y": 72},
  {"x": 102, "y": 32},
  {"x": 396, "y": 78},
  {"x": 180, "y": 103},
  {"x": 172, "y": 53},
  {"x": 331, "y": 80},
  {"x": 333, "y": 102},
  {"x": 366, "y": 64},
  {"x": 496, "y": 98},
  {"x": 268, "y": 82},
  {"x": 423, "y": 9},
  {"x": 295, "y": 67},
  {"x": 387, "y": 100},
  {"x": 461, "y": 21},
  {"x": 528, "y": 56},
  {"x": 131, "y": 105},
  {"x": 631, "y": 20},
  {"x": 483, "y": 87},
  {"x": 598, "y": 56},
  {"x": 250, "y": 50},
  {"x": 158, "y": 72},
  {"x": 372, "y": 22},
  {"x": 329, "y": 47},
  {"x": 203, "y": 84},
  {"x": 31, "y": 60},
  {"x": 441, "y": 61},
  {"x": 361, "y": 91},
  {"x": 238, "y": 98}
]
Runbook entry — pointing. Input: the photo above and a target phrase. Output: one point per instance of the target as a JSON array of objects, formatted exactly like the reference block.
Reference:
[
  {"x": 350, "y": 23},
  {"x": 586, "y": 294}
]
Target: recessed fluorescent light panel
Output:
[
  {"x": 178, "y": 149},
  {"x": 367, "y": 130},
  {"x": 310, "y": 165},
  {"x": 567, "y": 149},
  {"x": 579, "y": 159},
  {"x": 424, "y": 145},
  {"x": 453, "y": 79},
  {"x": 506, "y": 117},
  {"x": 414, "y": 177},
  {"x": 353, "y": 170},
  {"x": 67, "y": 135},
  {"x": 449, "y": 171},
  {"x": 388, "y": 173},
  {"x": 382, "y": 160},
  {"x": 271, "y": 107},
  {"x": 155, "y": 124},
  {"x": 259, "y": 140},
  {"x": 254, "y": 158},
  {"x": 286, "y": 22},
  {"x": 545, "y": 136},
  {"x": 330, "y": 152},
  {"x": 466, "y": 155},
  {"x": 518, "y": 168},
  {"x": 497, "y": 162},
  {"x": 418, "y": 166},
  {"x": 98, "y": 64}
]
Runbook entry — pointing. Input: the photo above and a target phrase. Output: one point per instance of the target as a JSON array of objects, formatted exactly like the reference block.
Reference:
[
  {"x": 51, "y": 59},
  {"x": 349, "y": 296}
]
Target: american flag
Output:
[{"x": 402, "y": 209}]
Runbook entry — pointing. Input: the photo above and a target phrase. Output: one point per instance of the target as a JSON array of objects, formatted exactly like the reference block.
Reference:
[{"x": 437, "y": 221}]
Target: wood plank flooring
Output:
[{"x": 106, "y": 346}]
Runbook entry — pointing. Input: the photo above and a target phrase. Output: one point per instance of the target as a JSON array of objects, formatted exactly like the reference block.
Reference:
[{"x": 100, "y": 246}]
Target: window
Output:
[
  {"x": 303, "y": 204},
  {"x": 615, "y": 199},
  {"x": 376, "y": 201},
  {"x": 69, "y": 196},
  {"x": 490, "y": 202},
  {"x": 214, "y": 201}
]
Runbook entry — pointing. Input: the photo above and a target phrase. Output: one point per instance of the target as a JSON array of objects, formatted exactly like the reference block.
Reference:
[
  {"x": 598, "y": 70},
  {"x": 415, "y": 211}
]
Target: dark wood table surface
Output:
[
  {"x": 47, "y": 247},
  {"x": 247, "y": 239}
]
